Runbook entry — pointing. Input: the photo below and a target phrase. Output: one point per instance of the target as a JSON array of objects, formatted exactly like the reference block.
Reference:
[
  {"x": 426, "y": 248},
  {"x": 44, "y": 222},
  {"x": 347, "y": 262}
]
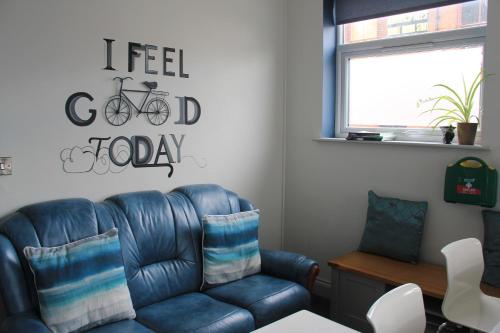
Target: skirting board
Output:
[{"x": 322, "y": 288}]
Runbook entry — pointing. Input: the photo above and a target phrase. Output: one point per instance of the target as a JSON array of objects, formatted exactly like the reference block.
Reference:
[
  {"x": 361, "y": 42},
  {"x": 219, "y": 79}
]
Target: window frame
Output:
[{"x": 464, "y": 37}]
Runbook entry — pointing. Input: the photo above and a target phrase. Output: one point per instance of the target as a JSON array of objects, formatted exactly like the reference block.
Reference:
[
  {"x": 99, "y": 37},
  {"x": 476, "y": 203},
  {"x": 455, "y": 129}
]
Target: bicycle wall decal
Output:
[{"x": 118, "y": 109}]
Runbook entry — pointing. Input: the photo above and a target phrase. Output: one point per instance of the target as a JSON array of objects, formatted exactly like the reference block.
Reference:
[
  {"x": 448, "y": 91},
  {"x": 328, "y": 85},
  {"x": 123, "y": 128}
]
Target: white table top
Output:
[
  {"x": 305, "y": 321},
  {"x": 496, "y": 329}
]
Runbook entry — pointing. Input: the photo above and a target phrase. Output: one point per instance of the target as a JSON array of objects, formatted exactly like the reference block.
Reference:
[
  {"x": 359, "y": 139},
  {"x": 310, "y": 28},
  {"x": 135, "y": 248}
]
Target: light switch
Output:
[{"x": 5, "y": 166}]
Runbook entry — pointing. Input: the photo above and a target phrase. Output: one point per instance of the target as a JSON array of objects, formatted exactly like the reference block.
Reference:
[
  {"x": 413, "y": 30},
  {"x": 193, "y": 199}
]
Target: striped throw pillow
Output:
[
  {"x": 82, "y": 284},
  {"x": 230, "y": 247}
]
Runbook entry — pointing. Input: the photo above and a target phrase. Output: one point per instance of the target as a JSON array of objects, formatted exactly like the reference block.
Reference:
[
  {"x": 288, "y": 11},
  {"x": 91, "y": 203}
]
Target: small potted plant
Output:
[
  {"x": 456, "y": 108},
  {"x": 448, "y": 133}
]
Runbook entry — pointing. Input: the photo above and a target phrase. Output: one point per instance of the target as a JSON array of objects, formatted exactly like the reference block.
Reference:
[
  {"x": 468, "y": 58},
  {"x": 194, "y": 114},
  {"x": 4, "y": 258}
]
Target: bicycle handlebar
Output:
[{"x": 122, "y": 78}]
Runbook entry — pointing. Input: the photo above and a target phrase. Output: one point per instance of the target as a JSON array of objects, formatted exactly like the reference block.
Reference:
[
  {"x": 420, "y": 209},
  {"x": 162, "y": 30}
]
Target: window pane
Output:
[
  {"x": 383, "y": 90},
  {"x": 468, "y": 14}
]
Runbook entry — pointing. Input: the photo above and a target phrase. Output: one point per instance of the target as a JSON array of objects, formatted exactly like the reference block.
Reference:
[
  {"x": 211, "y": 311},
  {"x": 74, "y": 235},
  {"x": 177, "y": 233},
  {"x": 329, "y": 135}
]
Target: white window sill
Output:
[{"x": 405, "y": 143}]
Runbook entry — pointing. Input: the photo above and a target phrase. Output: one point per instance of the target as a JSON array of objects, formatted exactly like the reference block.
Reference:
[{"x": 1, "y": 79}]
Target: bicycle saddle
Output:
[{"x": 151, "y": 84}]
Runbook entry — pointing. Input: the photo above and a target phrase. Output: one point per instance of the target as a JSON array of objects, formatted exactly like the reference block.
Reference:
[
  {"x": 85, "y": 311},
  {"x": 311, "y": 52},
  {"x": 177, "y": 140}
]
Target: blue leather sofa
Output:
[{"x": 160, "y": 237}]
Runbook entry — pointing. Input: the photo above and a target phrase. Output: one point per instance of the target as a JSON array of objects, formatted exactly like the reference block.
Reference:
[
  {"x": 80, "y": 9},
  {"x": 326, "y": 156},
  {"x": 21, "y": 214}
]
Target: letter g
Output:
[{"x": 71, "y": 112}]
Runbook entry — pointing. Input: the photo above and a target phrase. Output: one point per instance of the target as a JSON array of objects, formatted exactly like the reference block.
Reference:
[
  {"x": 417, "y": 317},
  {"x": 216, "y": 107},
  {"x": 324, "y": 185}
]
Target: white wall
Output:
[
  {"x": 233, "y": 51},
  {"x": 235, "y": 55},
  {"x": 327, "y": 183}
]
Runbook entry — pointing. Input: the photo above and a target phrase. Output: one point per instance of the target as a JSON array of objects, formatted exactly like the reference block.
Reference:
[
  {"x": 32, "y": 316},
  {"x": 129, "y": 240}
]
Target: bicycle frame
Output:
[{"x": 122, "y": 95}]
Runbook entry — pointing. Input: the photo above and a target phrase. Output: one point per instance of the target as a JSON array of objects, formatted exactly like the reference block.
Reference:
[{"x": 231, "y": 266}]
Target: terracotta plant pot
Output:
[{"x": 466, "y": 133}]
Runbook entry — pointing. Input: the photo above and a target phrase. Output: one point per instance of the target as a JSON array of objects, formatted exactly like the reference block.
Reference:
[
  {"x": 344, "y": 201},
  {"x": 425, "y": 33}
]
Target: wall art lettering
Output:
[
  {"x": 104, "y": 154},
  {"x": 148, "y": 52}
]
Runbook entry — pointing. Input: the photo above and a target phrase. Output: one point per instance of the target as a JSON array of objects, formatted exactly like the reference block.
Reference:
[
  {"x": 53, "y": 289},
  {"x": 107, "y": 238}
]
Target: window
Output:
[{"x": 386, "y": 65}]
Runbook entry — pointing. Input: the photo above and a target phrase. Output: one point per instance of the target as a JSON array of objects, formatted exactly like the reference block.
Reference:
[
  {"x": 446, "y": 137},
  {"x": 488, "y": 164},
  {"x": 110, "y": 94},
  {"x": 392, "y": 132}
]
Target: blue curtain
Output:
[
  {"x": 329, "y": 73},
  {"x": 348, "y": 11}
]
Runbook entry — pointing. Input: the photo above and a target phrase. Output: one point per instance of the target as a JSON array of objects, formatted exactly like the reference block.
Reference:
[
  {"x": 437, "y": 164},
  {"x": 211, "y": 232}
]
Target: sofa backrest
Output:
[{"x": 160, "y": 237}]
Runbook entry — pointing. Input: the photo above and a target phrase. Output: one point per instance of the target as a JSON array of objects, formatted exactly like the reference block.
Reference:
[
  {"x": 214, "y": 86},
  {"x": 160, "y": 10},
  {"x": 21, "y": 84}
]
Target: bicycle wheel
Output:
[
  {"x": 158, "y": 111},
  {"x": 117, "y": 112}
]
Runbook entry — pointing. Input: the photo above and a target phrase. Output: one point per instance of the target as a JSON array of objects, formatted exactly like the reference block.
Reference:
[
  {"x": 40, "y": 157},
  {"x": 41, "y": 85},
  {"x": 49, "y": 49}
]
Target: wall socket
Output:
[{"x": 5, "y": 166}]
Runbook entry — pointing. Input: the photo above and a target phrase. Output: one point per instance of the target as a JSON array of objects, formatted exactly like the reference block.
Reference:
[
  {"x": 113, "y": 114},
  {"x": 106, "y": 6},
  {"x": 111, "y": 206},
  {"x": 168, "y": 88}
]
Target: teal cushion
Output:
[
  {"x": 82, "y": 284},
  {"x": 491, "y": 247},
  {"x": 394, "y": 227},
  {"x": 230, "y": 247}
]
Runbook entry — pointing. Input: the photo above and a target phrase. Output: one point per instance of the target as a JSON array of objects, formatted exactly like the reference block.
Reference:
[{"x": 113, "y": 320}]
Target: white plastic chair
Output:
[
  {"x": 399, "y": 310},
  {"x": 464, "y": 302}
]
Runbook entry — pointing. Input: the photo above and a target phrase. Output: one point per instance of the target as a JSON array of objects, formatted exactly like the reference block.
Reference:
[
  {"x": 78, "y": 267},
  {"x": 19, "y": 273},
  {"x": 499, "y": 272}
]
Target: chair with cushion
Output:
[
  {"x": 399, "y": 310},
  {"x": 464, "y": 302}
]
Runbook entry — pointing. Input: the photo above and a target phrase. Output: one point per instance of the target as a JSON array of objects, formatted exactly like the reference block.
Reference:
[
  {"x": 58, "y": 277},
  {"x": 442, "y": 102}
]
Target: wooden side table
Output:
[{"x": 359, "y": 279}]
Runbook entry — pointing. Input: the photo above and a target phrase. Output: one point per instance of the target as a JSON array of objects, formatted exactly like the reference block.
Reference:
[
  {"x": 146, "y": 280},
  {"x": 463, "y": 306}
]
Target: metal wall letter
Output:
[
  {"x": 147, "y": 144},
  {"x": 181, "y": 65},
  {"x": 148, "y": 57},
  {"x": 183, "y": 112},
  {"x": 71, "y": 112},
  {"x": 163, "y": 150},
  {"x": 132, "y": 53},
  {"x": 112, "y": 152},
  {"x": 109, "y": 54},
  {"x": 166, "y": 60}
]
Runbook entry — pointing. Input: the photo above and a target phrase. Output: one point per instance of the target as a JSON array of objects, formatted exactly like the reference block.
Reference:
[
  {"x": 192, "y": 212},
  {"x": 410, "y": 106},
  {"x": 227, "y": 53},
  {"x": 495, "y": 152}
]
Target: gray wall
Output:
[
  {"x": 327, "y": 183},
  {"x": 233, "y": 51}
]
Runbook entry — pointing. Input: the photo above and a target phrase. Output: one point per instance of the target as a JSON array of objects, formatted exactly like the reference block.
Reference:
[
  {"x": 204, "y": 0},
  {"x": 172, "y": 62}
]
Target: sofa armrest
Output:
[
  {"x": 290, "y": 266},
  {"x": 245, "y": 205},
  {"x": 23, "y": 323}
]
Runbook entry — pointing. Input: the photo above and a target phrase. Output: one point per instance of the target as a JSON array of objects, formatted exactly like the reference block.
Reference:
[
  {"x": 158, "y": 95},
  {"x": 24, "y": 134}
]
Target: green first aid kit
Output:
[{"x": 471, "y": 181}]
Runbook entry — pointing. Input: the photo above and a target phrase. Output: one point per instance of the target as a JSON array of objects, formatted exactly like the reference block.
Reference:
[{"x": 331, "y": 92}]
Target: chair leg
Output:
[
  {"x": 446, "y": 324},
  {"x": 442, "y": 327}
]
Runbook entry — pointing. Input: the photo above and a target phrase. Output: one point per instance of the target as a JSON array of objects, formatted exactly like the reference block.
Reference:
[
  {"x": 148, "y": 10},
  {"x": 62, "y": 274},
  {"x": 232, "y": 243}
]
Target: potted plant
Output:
[{"x": 456, "y": 108}]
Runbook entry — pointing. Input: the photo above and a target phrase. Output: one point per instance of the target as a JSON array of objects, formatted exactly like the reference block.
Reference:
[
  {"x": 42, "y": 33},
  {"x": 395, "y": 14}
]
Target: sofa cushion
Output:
[
  {"x": 24, "y": 322},
  {"x": 61, "y": 222},
  {"x": 124, "y": 326},
  {"x": 197, "y": 313},
  {"x": 230, "y": 246},
  {"x": 47, "y": 224},
  {"x": 82, "y": 284},
  {"x": 266, "y": 297},
  {"x": 491, "y": 247},
  {"x": 210, "y": 199},
  {"x": 161, "y": 238}
]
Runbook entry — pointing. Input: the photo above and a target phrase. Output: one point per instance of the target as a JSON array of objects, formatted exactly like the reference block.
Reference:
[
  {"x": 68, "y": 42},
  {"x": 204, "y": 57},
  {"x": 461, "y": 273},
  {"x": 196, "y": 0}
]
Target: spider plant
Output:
[{"x": 455, "y": 108}]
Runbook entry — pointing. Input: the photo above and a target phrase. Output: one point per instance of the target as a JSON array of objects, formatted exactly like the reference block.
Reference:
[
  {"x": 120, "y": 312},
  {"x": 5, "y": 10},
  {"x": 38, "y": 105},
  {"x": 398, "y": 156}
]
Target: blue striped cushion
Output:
[
  {"x": 230, "y": 247},
  {"x": 82, "y": 284}
]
